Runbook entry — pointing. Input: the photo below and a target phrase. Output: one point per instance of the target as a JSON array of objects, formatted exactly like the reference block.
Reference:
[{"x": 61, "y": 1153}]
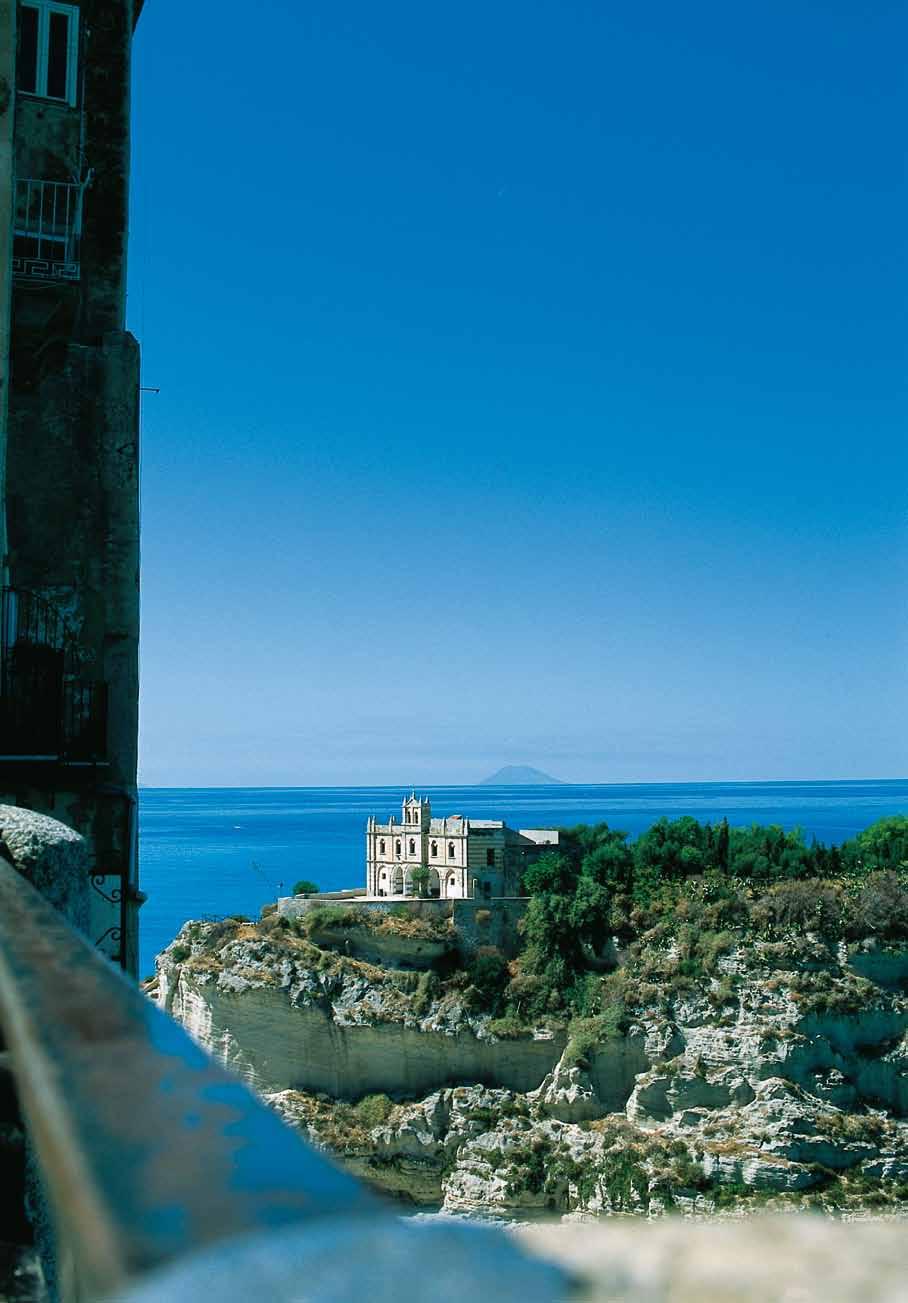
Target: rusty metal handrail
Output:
[{"x": 148, "y": 1150}]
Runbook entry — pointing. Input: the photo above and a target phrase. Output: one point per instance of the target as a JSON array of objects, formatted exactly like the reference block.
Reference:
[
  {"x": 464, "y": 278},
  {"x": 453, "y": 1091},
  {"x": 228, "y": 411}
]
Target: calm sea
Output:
[{"x": 231, "y": 850}]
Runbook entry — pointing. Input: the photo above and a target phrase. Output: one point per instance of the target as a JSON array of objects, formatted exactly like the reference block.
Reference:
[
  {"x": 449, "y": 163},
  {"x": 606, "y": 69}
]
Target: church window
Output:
[
  {"x": 434, "y": 848},
  {"x": 450, "y": 850},
  {"x": 381, "y": 847},
  {"x": 412, "y": 846},
  {"x": 490, "y": 858},
  {"x": 397, "y": 849},
  {"x": 452, "y": 881},
  {"x": 49, "y": 50}
]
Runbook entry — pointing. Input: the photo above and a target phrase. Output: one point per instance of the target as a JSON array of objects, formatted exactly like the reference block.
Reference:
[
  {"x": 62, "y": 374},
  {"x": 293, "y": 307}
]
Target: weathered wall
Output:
[
  {"x": 490, "y": 922},
  {"x": 296, "y": 906},
  {"x": 72, "y": 448},
  {"x": 7, "y": 118}
]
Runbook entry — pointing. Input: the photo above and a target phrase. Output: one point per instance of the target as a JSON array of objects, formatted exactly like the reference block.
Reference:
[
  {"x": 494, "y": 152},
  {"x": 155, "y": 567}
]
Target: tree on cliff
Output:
[
  {"x": 884, "y": 845},
  {"x": 568, "y": 918},
  {"x": 420, "y": 879}
]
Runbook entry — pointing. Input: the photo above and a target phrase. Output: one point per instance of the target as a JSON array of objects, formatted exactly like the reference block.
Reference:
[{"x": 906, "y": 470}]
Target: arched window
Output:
[
  {"x": 434, "y": 848},
  {"x": 412, "y": 846},
  {"x": 397, "y": 849},
  {"x": 450, "y": 850},
  {"x": 381, "y": 846}
]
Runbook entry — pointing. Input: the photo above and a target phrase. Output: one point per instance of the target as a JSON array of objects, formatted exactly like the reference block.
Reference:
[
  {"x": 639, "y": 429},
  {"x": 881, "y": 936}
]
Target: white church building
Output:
[{"x": 463, "y": 857}]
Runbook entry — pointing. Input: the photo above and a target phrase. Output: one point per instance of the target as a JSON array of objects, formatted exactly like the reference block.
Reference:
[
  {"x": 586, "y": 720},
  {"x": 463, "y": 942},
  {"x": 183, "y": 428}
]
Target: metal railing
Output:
[
  {"x": 47, "y": 710},
  {"x": 156, "y": 1163},
  {"x": 46, "y": 230}
]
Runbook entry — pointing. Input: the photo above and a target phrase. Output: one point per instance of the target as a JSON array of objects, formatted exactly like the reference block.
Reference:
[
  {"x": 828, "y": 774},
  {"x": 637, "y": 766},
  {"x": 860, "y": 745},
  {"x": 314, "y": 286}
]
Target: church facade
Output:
[{"x": 454, "y": 857}]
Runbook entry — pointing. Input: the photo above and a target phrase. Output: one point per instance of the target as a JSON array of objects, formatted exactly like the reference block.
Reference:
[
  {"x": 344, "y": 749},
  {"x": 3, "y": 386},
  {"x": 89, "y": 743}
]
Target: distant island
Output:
[{"x": 519, "y": 775}]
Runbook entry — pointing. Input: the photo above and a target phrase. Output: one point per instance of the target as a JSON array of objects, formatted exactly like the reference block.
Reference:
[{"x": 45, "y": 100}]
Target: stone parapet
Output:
[{"x": 51, "y": 856}]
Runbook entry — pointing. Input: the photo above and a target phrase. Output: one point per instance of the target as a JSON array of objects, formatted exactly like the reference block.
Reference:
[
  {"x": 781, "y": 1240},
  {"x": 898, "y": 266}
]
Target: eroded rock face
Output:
[
  {"x": 771, "y": 1088},
  {"x": 344, "y": 1029}
]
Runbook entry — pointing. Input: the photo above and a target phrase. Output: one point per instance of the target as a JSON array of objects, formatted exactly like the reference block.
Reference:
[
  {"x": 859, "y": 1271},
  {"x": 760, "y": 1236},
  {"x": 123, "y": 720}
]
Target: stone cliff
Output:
[{"x": 781, "y": 1077}]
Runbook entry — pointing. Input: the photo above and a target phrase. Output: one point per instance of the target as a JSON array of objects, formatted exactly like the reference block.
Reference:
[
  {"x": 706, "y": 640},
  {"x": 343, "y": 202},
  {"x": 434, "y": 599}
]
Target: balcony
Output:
[
  {"x": 48, "y": 711},
  {"x": 46, "y": 231}
]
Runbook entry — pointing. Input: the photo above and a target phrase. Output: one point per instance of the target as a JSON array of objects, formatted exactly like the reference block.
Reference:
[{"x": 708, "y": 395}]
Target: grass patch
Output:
[{"x": 584, "y": 1034}]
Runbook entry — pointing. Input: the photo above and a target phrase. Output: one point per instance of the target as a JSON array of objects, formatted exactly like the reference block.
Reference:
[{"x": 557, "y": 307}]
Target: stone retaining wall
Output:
[{"x": 479, "y": 922}]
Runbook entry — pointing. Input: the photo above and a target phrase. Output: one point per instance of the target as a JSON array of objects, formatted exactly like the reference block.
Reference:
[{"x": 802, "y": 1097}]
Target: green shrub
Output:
[
  {"x": 180, "y": 952},
  {"x": 689, "y": 1175},
  {"x": 881, "y": 847},
  {"x": 807, "y": 905},
  {"x": 507, "y": 1028},
  {"x": 881, "y": 907},
  {"x": 326, "y": 917},
  {"x": 274, "y": 924},
  {"x": 426, "y": 990},
  {"x": 305, "y": 888},
  {"x": 373, "y": 1110},
  {"x": 625, "y": 1178},
  {"x": 723, "y": 992},
  {"x": 489, "y": 973},
  {"x": 711, "y": 945},
  {"x": 584, "y": 1034}
]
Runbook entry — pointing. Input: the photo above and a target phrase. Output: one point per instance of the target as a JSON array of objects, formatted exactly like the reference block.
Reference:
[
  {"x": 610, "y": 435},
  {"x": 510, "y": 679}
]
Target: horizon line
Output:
[{"x": 390, "y": 787}]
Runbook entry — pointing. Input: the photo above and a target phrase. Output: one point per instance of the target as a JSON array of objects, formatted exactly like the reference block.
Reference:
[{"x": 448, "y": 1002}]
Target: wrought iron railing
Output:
[
  {"x": 46, "y": 230},
  {"x": 168, "y": 1181},
  {"x": 47, "y": 710}
]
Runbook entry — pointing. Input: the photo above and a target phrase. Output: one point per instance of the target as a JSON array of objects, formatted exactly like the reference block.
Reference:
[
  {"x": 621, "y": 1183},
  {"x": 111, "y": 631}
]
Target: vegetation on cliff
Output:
[{"x": 698, "y": 886}]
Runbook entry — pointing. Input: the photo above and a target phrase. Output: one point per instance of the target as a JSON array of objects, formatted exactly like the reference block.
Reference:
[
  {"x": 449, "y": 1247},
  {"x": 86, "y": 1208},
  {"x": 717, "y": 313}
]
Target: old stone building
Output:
[
  {"x": 69, "y": 393},
  {"x": 462, "y": 858}
]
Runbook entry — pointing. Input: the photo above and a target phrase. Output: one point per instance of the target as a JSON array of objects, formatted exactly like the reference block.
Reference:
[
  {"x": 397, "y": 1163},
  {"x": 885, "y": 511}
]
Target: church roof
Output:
[{"x": 453, "y": 823}]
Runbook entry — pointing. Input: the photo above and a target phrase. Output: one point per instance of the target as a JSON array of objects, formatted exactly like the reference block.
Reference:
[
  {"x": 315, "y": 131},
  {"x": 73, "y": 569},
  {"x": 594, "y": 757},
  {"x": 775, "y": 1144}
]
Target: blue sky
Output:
[{"x": 532, "y": 390}]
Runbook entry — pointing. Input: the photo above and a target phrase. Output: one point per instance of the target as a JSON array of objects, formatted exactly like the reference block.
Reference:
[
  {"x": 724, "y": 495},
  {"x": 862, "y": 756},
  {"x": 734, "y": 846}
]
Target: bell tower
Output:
[{"x": 416, "y": 812}]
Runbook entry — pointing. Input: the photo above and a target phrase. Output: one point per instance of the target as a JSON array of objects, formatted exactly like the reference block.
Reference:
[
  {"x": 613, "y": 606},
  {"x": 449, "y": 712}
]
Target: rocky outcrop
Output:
[{"x": 780, "y": 1078}]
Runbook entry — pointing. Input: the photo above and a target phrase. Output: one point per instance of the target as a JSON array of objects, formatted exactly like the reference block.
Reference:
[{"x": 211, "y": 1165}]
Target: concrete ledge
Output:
[{"x": 752, "y": 1260}]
